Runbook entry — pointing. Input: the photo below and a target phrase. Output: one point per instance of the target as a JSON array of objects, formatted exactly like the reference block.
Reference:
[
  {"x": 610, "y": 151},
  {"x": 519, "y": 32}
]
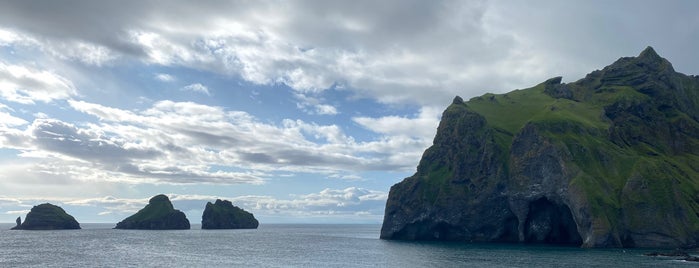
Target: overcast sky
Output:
[{"x": 298, "y": 111}]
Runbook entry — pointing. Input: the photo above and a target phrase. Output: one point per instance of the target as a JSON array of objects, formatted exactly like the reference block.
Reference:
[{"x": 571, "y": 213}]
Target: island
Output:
[
  {"x": 610, "y": 160},
  {"x": 159, "y": 214},
  {"x": 224, "y": 215},
  {"x": 47, "y": 217}
]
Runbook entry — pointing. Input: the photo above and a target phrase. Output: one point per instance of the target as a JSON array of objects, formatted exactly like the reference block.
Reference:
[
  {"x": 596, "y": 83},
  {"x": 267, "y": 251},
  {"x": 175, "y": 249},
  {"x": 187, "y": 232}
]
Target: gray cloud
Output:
[
  {"x": 393, "y": 51},
  {"x": 64, "y": 138}
]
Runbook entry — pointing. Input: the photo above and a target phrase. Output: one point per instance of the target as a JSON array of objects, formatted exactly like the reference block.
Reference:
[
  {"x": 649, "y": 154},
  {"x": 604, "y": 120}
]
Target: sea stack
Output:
[
  {"x": 611, "y": 160},
  {"x": 19, "y": 224},
  {"x": 224, "y": 215},
  {"x": 47, "y": 217},
  {"x": 159, "y": 214}
]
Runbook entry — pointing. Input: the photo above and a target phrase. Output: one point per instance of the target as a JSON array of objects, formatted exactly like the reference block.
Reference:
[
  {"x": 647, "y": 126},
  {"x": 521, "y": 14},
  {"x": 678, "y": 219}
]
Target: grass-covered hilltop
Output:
[{"x": 611, "y": 160}]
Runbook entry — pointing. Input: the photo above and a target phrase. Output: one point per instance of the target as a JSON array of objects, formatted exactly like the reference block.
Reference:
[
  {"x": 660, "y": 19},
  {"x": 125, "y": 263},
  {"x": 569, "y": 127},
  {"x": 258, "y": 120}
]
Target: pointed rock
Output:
[
  {"x": 19, "y": 224},
  {"x": 649, "y": 53}
]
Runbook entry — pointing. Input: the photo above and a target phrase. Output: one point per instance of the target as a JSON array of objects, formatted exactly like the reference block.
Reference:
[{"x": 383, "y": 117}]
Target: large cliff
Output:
[{"x": 611, "y": 160}]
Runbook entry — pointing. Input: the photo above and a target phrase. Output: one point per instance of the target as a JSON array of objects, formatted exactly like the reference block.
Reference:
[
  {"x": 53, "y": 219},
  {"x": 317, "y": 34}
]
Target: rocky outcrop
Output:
[
  {"x": 224, "y": 215},
  {"x": 19, "y": 224},
  {"x": 159, "y": 214},
  {"x": 607, "y": 161},
  {"x": 47, "y": 217}
]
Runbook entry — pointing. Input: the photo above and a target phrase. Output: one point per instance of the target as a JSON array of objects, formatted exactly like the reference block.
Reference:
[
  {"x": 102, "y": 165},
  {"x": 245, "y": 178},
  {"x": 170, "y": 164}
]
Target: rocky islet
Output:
[
  {"x": 159, "y": 214},
  {"x": 47, "y": 217},
  {"x": 222, "y": 214}
]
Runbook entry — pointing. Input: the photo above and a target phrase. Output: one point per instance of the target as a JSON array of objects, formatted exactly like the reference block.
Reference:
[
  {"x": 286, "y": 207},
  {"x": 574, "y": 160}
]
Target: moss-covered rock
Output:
[
  {"x": 159, "y": 214},
  {"x": 224, "y": 215},
  {"x": 47, "y": 217},
  {"x": 611, "y": 160}
]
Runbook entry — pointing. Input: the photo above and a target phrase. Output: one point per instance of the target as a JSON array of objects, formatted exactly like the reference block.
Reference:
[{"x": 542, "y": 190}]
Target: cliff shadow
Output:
[{"x": 551, "y": 223}]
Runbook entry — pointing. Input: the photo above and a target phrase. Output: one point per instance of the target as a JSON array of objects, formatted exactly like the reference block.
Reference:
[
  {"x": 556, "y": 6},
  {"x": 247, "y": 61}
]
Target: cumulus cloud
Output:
[
  {"x": 25, "y": 85},
  {"x": 186, "y": 142}
]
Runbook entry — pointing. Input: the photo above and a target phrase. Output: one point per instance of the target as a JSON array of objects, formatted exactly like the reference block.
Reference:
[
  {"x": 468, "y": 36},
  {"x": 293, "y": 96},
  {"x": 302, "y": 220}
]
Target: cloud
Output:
[
  {"x": 313, "y": 105},
  {"x": 422, "y": 126},
  {"x": 185, "y": 142},
  {"x": 338, "y": 204},
  {"x": 165, "y": 77},
  {"x": 198, "y": 88},
  {"x": 7, "y": 120},
  {"x": 391, "y": 51},
  {"x": 17, "y": 212},
  {"x": 25, "y": 85}
]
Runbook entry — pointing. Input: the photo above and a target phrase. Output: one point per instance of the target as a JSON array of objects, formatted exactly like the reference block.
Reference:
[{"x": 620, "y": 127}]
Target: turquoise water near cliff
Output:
[{"x": 286, "y": 245}]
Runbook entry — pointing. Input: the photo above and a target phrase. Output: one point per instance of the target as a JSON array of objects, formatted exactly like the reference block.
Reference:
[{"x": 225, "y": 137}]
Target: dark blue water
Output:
[{"x": 97, "y": 245}]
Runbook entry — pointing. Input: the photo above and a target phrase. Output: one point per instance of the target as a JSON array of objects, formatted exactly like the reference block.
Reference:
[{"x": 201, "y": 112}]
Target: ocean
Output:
[{"x": 288, "y": 245}]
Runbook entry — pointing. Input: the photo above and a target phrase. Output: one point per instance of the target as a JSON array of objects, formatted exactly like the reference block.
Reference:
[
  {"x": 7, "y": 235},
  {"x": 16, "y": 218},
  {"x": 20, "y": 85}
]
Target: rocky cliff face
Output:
[
  {"x": 159, "y": 214},
  {"x": 611, "y": 160},
  {"x": 47, "y": 217},
  {"x": 224, "y": 215}
]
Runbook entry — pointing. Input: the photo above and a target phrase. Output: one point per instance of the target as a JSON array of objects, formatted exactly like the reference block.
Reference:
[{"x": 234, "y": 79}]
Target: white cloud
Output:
[
  {"x": 312, "y": 105},
  {"x": 325, "y": 109},
  {"x": 7, "y": 120},
  {"x": 165, "y": 77},
  {"x": 329, "y": 203},
  {"x": 423, "y": 126},
  {"x": 17, "y": 212},
  {"x": 25, "y": 85},
  {"x": 185, "y": 142},
  {"x": 198, "y": 88}
]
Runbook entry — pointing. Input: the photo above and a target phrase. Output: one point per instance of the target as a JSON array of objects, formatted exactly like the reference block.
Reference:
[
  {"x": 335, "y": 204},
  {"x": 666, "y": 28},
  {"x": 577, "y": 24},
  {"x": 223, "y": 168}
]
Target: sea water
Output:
[{"x": 97, "y": 245}]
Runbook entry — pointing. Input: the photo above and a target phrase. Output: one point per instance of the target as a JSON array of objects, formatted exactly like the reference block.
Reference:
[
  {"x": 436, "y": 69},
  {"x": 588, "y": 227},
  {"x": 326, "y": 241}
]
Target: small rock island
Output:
[
  {"x": 159, "y": 214},
  {"x": 47, "y": 217},
  {"x": 224, "y": 215}
]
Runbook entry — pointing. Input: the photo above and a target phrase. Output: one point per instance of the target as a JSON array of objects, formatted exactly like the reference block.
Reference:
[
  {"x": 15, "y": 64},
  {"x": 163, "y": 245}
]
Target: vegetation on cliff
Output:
[{"x": 611, "y": 160}]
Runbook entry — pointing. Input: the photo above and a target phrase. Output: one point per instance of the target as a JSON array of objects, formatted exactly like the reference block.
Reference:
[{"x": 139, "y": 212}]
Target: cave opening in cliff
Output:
[{"x": 548, "y": 222}]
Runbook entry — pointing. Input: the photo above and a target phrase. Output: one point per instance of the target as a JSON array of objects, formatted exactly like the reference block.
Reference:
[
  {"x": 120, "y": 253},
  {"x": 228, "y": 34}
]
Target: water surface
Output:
[{"x": 97, "y": 245}]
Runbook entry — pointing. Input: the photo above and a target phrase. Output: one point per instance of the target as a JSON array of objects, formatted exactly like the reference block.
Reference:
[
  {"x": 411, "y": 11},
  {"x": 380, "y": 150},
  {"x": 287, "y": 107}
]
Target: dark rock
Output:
[
  {"x": 554, "y": 88},
  {"x": 47, "y": 217},
  {"x": 19, "y": 224},
  {"x": 159, "y": 214},
  {"x": 692, "y": 258},
  {"x": 607, "y": 161},
  {"x": 224, "y": 215}
]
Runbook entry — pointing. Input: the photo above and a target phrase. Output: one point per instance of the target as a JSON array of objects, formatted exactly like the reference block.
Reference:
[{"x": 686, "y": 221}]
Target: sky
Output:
[{"x": 297, "y": 111}]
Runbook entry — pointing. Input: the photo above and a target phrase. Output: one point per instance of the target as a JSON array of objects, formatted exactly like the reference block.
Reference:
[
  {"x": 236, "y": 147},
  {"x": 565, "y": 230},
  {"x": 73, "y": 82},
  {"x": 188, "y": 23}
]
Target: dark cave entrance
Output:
[{"x": 550, "y": 223}]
